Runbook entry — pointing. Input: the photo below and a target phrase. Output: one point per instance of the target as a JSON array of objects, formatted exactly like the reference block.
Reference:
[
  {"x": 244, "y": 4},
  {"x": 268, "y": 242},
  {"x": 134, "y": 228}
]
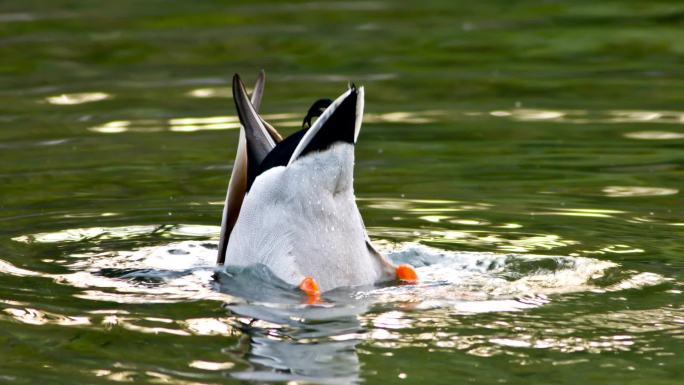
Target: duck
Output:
[{"x": 290, "y": 202}]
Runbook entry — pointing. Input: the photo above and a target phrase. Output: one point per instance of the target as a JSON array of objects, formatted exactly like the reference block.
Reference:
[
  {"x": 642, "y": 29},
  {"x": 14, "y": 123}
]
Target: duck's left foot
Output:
[
  {"x": 310, "y": 287},
  {"x": 406, "y": 273}
]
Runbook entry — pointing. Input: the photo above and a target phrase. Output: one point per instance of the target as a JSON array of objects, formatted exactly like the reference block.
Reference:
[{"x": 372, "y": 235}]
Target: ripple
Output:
[
  {"x": 211, "y": 92},
  {"x": 403, "y": 117},
  {"x": 587, "y": 117},
  {"x": 122, "y": 232},
  {"x": 510, "y": 242},
  {"x": 638, "y": 321},
  {"x": 424, "y": 206},
  {"x": 471, "y": 282},
  {"x": 207, "y": 365},
  {"x": 228, "y": 122},
  {"x": 113, "y": 127},
  {"x": 654, "y": 135},
  {"x": 32, "y": 316},
  {"x": 77, "y": 98},
  {"x": 291, "y": 341},
  {"x": 467, "y": 282},
  {"x": 637, "y": 191}
]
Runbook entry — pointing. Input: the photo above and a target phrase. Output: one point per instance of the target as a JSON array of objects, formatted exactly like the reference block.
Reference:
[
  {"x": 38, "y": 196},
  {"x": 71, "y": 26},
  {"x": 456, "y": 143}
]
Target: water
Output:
[{"x": 525, "y": 157}]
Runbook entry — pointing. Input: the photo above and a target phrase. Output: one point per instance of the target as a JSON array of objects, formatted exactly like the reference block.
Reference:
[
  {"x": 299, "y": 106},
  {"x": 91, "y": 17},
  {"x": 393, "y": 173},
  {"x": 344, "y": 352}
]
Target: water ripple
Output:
[
  {"x": 286, "y": 340},
  {"x": 181, "y": 270}
]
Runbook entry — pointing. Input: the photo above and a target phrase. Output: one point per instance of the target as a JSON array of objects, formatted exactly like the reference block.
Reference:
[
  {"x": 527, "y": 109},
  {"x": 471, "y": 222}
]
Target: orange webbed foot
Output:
[
  {"x": 310, "y": 287},
  {"x": 406, "y": 273}
]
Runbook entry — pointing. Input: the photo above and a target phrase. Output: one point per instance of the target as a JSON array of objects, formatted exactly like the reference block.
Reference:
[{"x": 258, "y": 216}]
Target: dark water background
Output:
[{"x": 526, "y": 155}]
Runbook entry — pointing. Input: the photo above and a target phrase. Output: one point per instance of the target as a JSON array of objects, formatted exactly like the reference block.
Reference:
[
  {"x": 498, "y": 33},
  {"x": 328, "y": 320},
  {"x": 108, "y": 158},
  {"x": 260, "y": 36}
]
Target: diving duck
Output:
[{"x": 290, "y": 203}]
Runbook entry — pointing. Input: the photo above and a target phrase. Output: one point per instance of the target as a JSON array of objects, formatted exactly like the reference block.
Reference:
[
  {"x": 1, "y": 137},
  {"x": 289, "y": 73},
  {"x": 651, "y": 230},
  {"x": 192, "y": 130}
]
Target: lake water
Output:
[{"x": 527, "y": 157}]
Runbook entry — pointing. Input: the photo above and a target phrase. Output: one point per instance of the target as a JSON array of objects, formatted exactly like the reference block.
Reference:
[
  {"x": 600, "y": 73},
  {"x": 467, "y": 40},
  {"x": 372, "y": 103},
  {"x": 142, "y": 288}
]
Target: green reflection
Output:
[{"x": 492, "y": 128}]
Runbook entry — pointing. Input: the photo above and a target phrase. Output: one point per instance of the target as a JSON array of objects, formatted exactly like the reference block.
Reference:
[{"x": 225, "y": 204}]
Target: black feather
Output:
[
  {"x": 338, "y": 128},
  {"x": 315, "y": 111}
]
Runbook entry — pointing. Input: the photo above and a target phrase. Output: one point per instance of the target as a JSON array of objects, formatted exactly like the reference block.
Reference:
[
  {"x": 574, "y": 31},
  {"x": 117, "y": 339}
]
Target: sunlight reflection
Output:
[
  {"x": 592, "y": 211},
  {"x": 520, "y": 244},
  {"x": 208, "y": 365},
  {"x": 637, "y": 116},
  {"x": 574, "y": 214},
  {"x": 230, "y": 122},
  {"x": 638, "y": 281},
  {"x": 654, "y": 135},
  {"x": 184, "y": 268},
  {"x": 210, "y": 326},
  {"x": 434, "y": 218},
  {"x": 391, "y": 320},
  {"x": 113, "y": 127},
  {"x": 75, "y": 235},
  {"x": 424, "y": 205},
  {"x": 77, "y": 98},
  {"x": 88, "y": 215},
  {"x": 394, "y": 117},
  {"x": 502, "y": 338},
  {"x": 215, "y": 92},
  {"x": 637, "y": 191},
  {"x": 568, "y": 344},
  {"x": 8, "y": 268},
  {"x": 203, "y": 120},
  {"x": 637, "y": 321},
  {"x": 509, "y": 226},
  {"x": 37, "y": 317},
  {"x": 589, "y": 117},
  {"x": 122, "y": 376},
  {"x": 452, "y": 283},
  {"x": 469, "y": 222},
  {"x": 622, "y": 249},
  {"x": 579, "y": 212},
  {"x": 123, "y": 232},
  {"x": 151, "y": 329},
  {"x": 204, "y": 123},
  {"x": 216, "y": 126},
  {"x": 488, "y": 282},
  {"x": 403, "y": 117},
  {"x": 490, "y": 306},
  {"x": 514, "y": 338},
  {"x": 529, "y": 114}
]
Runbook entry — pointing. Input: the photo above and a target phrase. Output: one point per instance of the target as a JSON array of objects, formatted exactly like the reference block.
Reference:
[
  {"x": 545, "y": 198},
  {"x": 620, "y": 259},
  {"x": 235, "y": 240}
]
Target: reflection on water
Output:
[
  {"x": 213, "y": 92},
  {"x": 510, "y": 242},
  {"x": 530, "y": 128},
  {"x": 37, "y": 317},
  {"x": 637, "y": 191},
  {"x": 588, "y": 117},
  {"x": 206, "y": 365},
  {"x": 183, "y": 270},
  {"x": 655, "y": 135},
  {"x": 281, "y": 339},
  {"x": 123, "y": 232},
  {"x": 300, "y": 344},
  {"x": 283, "y": 120},
  {"x": 398, "y": 117},
  {"x": 79, "y": 98}
]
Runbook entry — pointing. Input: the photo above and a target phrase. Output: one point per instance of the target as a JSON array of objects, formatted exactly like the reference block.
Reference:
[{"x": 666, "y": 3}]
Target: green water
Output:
[{"x": 532, "y": 127}]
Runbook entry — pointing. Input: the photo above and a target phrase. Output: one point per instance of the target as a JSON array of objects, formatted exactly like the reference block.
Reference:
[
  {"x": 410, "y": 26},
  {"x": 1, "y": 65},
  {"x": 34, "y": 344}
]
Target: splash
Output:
[
  {"x": 286, "y": 340},
  {"x": 469, "y": 282}
]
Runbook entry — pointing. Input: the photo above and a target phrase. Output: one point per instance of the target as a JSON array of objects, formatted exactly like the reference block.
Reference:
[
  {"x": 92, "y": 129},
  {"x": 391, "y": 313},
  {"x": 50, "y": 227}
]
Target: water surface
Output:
[{"x": 526, "y": 157}]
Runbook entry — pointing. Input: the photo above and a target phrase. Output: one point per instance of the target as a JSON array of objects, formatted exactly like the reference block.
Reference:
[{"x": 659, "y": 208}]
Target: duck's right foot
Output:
[
  {"x": 310, "y": 287},
  {"x": 406, "y": 273}
]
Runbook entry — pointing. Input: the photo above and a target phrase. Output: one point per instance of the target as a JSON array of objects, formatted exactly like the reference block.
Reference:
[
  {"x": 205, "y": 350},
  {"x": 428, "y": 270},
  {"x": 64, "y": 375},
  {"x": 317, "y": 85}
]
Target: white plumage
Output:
[
  {"x": 302, "y": 220},
  {"x": 291, "y": 205}
]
